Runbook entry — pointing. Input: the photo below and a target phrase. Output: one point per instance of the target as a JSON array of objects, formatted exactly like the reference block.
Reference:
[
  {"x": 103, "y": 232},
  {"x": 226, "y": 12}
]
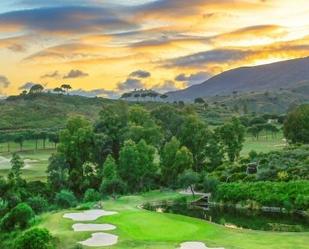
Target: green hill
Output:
[{"x": 46, "y": 110}]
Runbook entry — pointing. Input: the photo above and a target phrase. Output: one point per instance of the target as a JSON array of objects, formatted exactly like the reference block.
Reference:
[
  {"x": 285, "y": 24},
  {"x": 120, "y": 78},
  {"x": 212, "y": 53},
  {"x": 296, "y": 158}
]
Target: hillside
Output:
[
  {"x": 276, "y": 101},
  {"x": 46, "y": 110},
  {"x": 270, "y": 77}
]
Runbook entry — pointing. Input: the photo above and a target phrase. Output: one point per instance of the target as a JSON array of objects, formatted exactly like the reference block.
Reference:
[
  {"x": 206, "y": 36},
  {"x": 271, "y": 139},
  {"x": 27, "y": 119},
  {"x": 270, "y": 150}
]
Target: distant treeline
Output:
[{"x": 20, "y": 136}]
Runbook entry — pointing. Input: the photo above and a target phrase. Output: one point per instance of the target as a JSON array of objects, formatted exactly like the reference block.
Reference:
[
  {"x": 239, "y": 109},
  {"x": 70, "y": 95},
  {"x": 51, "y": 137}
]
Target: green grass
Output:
[
  {"x": 263, "y": 144},
  {"x": 139, "y": 229},
  {"x": 36, "y": 163}
]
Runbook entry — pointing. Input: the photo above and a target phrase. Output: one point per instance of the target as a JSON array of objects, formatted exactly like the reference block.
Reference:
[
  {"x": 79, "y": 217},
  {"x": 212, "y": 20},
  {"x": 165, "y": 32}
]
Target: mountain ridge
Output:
[{"x": 273, "y": 76}]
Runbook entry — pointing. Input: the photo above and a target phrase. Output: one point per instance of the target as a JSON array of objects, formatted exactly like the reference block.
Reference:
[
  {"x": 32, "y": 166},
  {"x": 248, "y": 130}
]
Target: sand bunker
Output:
[
  {"x": 88, "y": 215},
  {"x": 195, "y": 245},
  {"x": 80, "y": 227},
  {"x": 100, "y": 239},
  {"x": 4, "y": 163}
]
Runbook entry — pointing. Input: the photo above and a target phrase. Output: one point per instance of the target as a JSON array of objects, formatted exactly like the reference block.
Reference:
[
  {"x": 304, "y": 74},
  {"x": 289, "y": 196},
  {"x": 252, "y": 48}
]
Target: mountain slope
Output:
[{"x": 270, "y": 77}]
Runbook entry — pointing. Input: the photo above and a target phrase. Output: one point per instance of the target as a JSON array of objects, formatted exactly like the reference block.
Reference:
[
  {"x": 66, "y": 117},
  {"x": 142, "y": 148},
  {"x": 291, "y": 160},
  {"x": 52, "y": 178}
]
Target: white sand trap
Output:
[
  {"x": 88, "y": 215},
  {"x": 80, "y": 227},
  {"x": 4, "y": 163},
  {"x": 195, "y": 245},
  {"x": 100, "y": 239}
]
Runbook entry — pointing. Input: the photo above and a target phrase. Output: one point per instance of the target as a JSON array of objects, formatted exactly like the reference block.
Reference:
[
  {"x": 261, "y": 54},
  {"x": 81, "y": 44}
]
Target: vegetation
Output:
[
  {"x": 296, "y": 126},
  {"x": 129, "y": 149},
  {"x": 36, "y": 238},
  {"x": 290, "y": 195},
  {"x": 138, "y": 228}
]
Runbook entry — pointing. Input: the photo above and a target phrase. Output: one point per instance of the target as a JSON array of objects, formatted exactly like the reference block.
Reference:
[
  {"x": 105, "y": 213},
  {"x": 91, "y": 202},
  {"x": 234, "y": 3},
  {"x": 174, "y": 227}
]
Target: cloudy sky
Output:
[{"x": 105, "y": 47}]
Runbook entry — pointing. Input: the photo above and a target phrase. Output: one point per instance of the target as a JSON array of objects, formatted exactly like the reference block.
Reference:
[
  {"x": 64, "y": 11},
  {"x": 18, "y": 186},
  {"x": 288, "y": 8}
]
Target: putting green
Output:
[{"x": 139, "y": 229}]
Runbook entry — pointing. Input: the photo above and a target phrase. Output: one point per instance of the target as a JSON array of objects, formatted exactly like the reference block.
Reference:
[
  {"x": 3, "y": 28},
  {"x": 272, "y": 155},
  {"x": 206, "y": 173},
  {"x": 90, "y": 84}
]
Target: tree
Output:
[
  {"x": 136, "y": 165},
  {"x": 91, "y": 195},
  {"x": 57, "y": 172},
  {"x": 54, "y": 138},
  {"x": 170, "y": 119},
  {"x": 66, "y": 87},
  {"x": 163, "y": 97},
  {"x": 17, "y": 164},
  {"x": 111, "y": 183},
  {"x": 232, "y": 136},
  {"x": 37, "y": 88},
  {"x": 20, "y": 216},
  {"x": 296, "y": 125},
  {"x": 20, "y": 139},
  {"x": 58, "y": 90},
  {"x": 189, "y": 179},
  {"x": 199, "y": 101},
  {"x": 109, "y": 130},
  {"x": 110, "y": 168},
  {"x": 65, "y": 199},
  {"x": 174, "y": 160},
  {"x": 195, "y": 135},
  {"x": 44, "y": 136},
  {"x": 255, "y": 131},
  {"x": 36, "y": 238},
  {"x": 142, "y": 126},
  {"x": 38, "y": 204},
  {"x": 36, "y": 137},
  {"x": 76, "y": 145},
  {"x": 137, "y": 95}
]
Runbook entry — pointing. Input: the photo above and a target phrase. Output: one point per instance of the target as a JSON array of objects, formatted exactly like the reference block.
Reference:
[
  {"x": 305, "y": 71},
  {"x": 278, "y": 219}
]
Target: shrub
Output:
[
  {"x": 19, "y": 216},
  {"x": 38, "y": 204},
  {"x": 36, "y": 238},
  {"x": 92, "y": 195},
  {"x": 65, "y": 199}
]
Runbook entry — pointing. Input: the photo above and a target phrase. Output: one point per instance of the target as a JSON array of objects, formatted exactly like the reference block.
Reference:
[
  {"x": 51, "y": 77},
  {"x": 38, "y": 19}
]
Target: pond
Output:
[{"x": 237, "y": 218}]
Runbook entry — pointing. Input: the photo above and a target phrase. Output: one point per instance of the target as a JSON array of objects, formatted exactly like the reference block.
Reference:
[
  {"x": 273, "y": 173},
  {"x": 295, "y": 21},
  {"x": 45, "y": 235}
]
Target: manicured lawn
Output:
[
  {"x": 263, "y": 144},
  {"x": 36, "y": 163},
  {"x": 139, "y": 229}
]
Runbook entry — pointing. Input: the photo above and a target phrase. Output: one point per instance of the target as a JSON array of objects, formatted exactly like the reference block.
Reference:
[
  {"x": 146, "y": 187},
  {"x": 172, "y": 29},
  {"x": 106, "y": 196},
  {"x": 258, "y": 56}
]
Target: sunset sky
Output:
[{"x": 106, "y": 47}]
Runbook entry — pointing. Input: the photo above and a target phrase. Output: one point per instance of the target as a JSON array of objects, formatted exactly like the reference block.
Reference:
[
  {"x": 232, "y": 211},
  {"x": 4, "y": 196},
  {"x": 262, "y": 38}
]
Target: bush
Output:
[
  {"x": 92, "y": 195},
  {"x": 20, "y": 216},
  {"x": 65, "y": 199},
  {"x": 38, "y": 204},
  {"x": 36, "y": 238}
]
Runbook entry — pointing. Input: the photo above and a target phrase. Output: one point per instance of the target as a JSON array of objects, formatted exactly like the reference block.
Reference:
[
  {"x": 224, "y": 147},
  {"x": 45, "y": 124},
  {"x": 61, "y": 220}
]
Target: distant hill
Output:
[
  {"x": 46, "y": 110},
  {"x": 274, "y": 101},
  {"x": 270, "y": 77}
]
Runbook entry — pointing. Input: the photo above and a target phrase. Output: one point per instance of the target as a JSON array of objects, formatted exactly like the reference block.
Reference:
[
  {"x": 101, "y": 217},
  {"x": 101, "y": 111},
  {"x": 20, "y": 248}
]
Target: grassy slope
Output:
[
  {"x": 46, "y": 110},
  {"x": 144, "y": 229}
]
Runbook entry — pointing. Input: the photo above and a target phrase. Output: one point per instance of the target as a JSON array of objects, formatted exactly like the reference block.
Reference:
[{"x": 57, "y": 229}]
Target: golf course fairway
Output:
[{"x": 141, "y": 229}]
